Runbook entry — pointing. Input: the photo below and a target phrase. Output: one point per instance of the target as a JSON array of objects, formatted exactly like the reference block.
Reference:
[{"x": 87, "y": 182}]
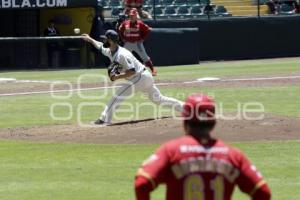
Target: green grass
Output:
[
  {"x": 218, "y": 69},
  {"x": 85, "y": 171},
  {"x": 35, "y": 109},
  {"x": 37, "y": 171}
]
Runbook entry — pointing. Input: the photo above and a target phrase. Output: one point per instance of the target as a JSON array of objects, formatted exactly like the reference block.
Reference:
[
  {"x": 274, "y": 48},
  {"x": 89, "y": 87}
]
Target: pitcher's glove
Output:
[{"x": 113, "y": 69}]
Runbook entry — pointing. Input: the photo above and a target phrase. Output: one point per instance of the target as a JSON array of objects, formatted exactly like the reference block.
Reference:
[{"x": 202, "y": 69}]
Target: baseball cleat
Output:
[{"x": 100, "y": 122}]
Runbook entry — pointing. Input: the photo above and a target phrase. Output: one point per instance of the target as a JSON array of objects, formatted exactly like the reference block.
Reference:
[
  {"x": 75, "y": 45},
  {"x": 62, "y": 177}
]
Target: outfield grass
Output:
[
  {"x": 216, "y": 69},
  {"x": 86, "y": 171},
  {"x": 35, "y": 109},
  {"x": 34, "y": 171}
]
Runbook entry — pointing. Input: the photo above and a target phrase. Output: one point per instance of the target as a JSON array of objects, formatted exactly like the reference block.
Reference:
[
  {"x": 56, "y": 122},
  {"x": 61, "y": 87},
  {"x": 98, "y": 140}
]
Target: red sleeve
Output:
[
  {"x": 142, "y": 188},
  {"x": 152, "y": 173},
  {"x": 145, "y": 30},
  {"x": 251, "y": 181},
  {"x": 121, "y": 30}
]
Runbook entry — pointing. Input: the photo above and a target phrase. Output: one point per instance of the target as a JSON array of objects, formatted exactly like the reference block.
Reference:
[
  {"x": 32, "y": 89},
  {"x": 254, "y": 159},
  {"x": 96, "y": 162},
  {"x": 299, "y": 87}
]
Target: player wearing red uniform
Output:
[
  {"x": 197, "y": 166},
  {"x": 138, "y": 4},
  {"x": 133, "y": 3},
  {"x": 133, "y": 32}
]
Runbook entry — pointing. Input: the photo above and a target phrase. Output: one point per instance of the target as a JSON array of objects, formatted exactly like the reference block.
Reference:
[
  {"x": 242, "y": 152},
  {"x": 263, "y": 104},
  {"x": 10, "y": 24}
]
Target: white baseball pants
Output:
[
  {"x": 141, "y": 82},
  {"x": 139, "y": 48}
]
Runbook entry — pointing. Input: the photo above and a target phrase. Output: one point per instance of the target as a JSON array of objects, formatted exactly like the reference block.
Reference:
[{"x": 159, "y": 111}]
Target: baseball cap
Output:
[
  {"x": 199, "y": 108},
  {"x": 133, "y": 12},
  {"x": 111, "y": 34}
]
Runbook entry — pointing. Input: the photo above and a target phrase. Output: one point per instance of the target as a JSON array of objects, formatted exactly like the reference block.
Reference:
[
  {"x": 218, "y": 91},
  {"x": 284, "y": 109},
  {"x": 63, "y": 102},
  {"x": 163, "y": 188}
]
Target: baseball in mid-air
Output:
[{"x": 76, "y": 30}]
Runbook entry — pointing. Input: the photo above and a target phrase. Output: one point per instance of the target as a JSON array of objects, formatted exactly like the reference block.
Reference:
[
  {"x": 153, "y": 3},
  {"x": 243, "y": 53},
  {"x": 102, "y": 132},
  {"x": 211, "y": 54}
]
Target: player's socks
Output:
[{"x": 150, "y": 65}]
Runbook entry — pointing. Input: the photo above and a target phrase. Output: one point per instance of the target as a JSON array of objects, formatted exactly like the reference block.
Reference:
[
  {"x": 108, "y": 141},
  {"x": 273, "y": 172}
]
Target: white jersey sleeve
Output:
[
  {"x": 105, "y": 51},
  {"x": 126, "y": 62}
]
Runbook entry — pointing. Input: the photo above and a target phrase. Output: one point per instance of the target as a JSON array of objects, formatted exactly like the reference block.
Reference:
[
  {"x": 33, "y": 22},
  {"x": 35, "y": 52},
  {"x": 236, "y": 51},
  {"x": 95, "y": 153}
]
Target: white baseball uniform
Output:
[{"x": 142, "y": 81}]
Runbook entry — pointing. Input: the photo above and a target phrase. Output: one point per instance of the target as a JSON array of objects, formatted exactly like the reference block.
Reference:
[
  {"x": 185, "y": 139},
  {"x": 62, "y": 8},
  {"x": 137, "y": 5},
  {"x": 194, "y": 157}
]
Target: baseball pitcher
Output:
[
  {"x": 125, "y": 66},
  {"x": 197, "y": 166}
]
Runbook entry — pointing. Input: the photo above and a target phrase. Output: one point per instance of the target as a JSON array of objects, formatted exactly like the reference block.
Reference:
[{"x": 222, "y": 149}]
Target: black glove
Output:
[{"x": 113, "y": 69}]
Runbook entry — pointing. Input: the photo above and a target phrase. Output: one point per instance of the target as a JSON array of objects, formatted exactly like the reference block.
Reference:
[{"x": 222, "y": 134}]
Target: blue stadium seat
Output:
[
  {"x": 150, "y": 2},
  {"x": 115, "y": 4},
  {"x": 286, "y": 9},
  {"x": 222, "y": 11},
  {"x": 115, "y": 12},
  {"x": 158, "y": 3},
  {"x": 183, "y": 11},
  {"x": 170, "y": 11},
  {"x": 167, "y": 2},
  {"x": 197, "y": 10},
  {"x": 158, "y": 12},
  {"x": 193, "y": 2},
  {"x": 106, "y": 4},
  {"x": 147, "y": 9},
  {"x": 180, "y": 2}
]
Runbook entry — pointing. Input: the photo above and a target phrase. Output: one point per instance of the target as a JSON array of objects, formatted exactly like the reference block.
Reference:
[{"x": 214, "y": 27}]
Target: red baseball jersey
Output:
[
  {"x": 134, "y": 32},
  {"x": 193, "y": 171}
]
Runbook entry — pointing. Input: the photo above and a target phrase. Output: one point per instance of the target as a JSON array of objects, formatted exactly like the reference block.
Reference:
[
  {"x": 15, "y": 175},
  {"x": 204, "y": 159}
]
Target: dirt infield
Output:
[
  {"x": 157, "y": 131},
  {"x": 160, "y": 130}
]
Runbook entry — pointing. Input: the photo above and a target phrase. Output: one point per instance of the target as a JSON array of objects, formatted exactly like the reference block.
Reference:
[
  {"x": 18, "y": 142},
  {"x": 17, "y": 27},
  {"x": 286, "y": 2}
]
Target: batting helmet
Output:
[
  {"x": 199, "y": 108},
  {"x": 111, "y": 34}
]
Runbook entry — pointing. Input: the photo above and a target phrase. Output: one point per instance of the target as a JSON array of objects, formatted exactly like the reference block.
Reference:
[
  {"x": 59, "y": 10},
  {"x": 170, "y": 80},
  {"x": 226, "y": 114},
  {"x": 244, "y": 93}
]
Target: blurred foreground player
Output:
[{"x": 197, "y": 166}]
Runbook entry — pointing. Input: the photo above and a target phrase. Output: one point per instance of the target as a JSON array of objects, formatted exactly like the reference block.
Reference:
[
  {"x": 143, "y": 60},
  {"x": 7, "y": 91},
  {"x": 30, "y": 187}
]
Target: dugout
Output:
[
  {"x": 229, "y": 38},
  {"x": 172, "y": 42},
  {"x": 29, "y": 18}
]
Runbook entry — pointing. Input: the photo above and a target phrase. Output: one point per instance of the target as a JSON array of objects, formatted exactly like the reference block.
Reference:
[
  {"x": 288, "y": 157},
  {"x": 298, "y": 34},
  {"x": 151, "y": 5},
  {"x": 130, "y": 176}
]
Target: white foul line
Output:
[
  {"x": 159, "y": 84},
  {"x": 261, "y": 79},
  {"x": 56, "y": 91}
]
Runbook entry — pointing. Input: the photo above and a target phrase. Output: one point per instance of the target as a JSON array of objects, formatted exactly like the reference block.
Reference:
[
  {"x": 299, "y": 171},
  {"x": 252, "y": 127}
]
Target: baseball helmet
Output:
[
  {"x": 111, "y": 34},
  {"x": 199, "y": 108}
]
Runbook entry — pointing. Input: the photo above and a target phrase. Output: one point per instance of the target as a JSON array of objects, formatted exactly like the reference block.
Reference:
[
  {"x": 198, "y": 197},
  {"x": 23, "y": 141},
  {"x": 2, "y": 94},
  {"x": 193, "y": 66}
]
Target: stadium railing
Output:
[{"x": 201, "y": 9}]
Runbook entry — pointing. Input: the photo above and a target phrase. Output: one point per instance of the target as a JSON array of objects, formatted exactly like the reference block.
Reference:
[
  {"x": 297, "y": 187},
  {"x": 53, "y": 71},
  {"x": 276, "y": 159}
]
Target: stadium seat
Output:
[
  {"x": 104, "y": 3},
  {"x": 115, "y": 12},
  {"x": 221, "y": 11},
  {"x": 183, "y": 11},
  {"x": 150, "y": 2},
  {"x": 147, "y": 9},
  {"x": 170, "y": 11},
  {"x": 286, "y": 9},
  {"x": 158, "y": 3},
  {"x": 193, "y": 2},
  {"x": 205, "y": 2},
  {"x": 197, "y": 10},
  {"x": 180, "y": 2},
  {"x": 167, "y": 2},
  {"x": 115, "y": 4},
  {"x": 158, "y": 12}
]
